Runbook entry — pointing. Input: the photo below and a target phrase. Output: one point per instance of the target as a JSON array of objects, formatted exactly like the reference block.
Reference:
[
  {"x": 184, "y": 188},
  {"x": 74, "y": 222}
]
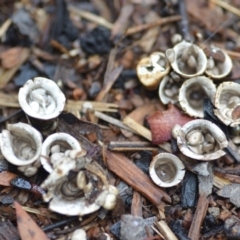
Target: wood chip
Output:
[{"x": 199, "y": 215}]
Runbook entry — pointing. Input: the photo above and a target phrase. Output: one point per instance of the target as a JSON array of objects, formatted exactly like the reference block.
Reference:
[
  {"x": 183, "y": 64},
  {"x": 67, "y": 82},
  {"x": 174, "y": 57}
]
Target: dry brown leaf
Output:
[
  {"x": 27, "y": 228},
  {"x": 10, "y": 58},
  {"x": 162, "y": 122}
]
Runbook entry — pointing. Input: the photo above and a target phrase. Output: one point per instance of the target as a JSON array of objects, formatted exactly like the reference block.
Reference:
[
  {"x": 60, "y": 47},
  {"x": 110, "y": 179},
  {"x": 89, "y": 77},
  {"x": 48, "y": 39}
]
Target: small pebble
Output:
[{"x": 214, "y": 211}]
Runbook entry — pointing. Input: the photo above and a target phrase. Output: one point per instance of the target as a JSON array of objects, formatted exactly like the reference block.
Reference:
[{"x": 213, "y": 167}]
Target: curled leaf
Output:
[{"x": 162, "y": 122}]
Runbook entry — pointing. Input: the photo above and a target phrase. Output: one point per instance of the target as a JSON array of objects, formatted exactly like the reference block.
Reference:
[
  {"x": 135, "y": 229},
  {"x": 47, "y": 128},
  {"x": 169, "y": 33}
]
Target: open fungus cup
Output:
[
  {"x": 54, "y": 147},
  {"x": 41, "y": 98},
  {"x": 219, "y": 64},
  {"x": 187, "y": 59},
  {"x": 201, "y": 140},
  {"x": 227, "y": 103},
  {"x": 169, "y": 88},
  {"x": 152, "y": 69},
  {"x": 21, "y": 144},
  {"x": 192, "y": 93},
  {"x": 166, "y": 170}
]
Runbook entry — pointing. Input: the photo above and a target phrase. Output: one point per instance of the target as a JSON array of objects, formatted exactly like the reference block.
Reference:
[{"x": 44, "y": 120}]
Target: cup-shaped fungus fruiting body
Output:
[
  {"x": 42, "y": 101},
  {"x": 152, "y": 69},
  {"x": 166, "y": 170},
  {"x": 54, "y": 148},
  {"x": 75, "y": 188},
  {"x": 187, "y": 59},
  {"x": 192, "y": 93},
  {"x": 21, "y": 145},
  {"x": 227, "y": 103},
  {"x": 169, "y": 88},
  {"x": 219, "y": 64},
  {"x": 201, "y": 140}
]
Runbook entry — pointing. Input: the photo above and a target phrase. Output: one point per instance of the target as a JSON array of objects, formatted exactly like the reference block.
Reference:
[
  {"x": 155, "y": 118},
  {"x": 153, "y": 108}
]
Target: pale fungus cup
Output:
[
  {"x": 166, "y": 170},
  {"x": 192, "y": 93},
  {"x": 54, "y": 148},
  {"x": 152, "y": 69},
  {"x": 227, "y": 103},
  {"x": 42, "y": 101},
  {"x": 219, "y": 64},
  {"x": 200, "y": 140},
  {"x": 77, "y": 186},
  {"x": 169, "y": 88},
  {"x": 21, "y": 145},
  {"x": 187, "y": 59}
]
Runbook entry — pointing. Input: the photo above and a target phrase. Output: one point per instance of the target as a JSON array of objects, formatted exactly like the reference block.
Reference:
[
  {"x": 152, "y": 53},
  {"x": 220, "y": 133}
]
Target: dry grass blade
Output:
[
  {"x": 91, "y": 17},
  {"x": 227, "y": 6}
]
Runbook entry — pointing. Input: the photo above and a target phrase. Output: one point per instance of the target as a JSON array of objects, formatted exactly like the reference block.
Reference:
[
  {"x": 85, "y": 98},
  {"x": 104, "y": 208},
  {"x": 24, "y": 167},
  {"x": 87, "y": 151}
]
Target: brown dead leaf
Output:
[
  {"x": 10, "y": 57},
  {"x": 162, "y": 122},
  {"x": 6, "y": 178},
  {"x": 27, "y": 228}
]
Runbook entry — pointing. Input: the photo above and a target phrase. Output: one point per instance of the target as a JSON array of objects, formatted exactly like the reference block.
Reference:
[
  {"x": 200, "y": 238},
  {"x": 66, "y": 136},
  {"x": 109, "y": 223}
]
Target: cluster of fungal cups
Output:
[
  {"x": 76, "y": 185},
  {"x": 193, "y": 75}
]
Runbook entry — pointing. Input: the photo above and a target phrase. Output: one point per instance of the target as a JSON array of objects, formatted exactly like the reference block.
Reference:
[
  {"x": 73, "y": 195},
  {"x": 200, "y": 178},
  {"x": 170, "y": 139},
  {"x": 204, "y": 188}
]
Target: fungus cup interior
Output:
[
  {"x": 225, "y": 96},
  {"x": 165, "y": 169},
  {"x": 69, "y": 189},
  {"x": 48, "y": 103},
  {"x": 47, "y": 93},
  {"x": 195, "y": 95},
  {"x": 64, "y": 146},
  {"x": 206, "y": 142},
  {"x": 184, "y": 67},
  {"x": 16, "y": 140}
]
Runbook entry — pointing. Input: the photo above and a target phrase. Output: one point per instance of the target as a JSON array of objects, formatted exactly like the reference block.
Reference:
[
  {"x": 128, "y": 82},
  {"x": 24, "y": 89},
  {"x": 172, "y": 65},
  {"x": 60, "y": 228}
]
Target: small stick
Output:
[
  {"x": 5, "y": 27},
  {"x": 134, "y": 149},
  {"x": 93, "y": 103},
  {"x": 19, "y": 111},
  {"x": 112, "y": 120},
  {"x": 165, "y": 230},
  {"x": 198, "y": 217},
  {"x": 229, "y": 177},
  {"x": 144, "y": 132},
  {"x": 91, "y": 17},
  {"x": 138, "y": 128},
  {"x": 38, "y": 212},
  {"x": 146, "y": 26},
  {"x": 59, "y": 224},
  {"x": 7, "y": 100},
  {"x": 220, "y": 182},
  {"x": 184, "y": 21},
  {"x": 232, "y": 54},
  {"x": 136, "y": 208},
  {"x": 133, "y": 176},
  {"x": 130, "y": 146},
  {"x": 227, "y": 7}
]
